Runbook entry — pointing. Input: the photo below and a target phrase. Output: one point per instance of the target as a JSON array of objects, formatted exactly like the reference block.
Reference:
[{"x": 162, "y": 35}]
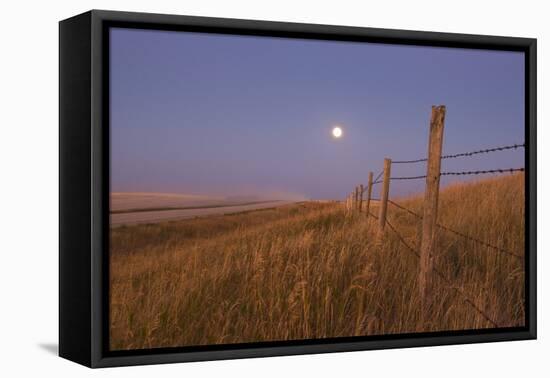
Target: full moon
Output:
[{"x": 337, "y": 132}]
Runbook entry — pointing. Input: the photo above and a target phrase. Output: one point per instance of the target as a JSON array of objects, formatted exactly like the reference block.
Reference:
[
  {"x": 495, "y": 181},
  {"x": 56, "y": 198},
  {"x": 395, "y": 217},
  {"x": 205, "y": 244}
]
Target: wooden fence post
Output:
[
  {"x": 356, "y": 198},
  {"x": 361, "y": 190},
  {"x": 369, "y": 192},
  {"x": 384, "y": 198},
  {"x": 429, "y": 221}
]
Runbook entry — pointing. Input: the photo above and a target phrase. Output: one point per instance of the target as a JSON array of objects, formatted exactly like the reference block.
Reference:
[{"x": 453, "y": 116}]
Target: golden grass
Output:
[{"x": 311, "y": 271}]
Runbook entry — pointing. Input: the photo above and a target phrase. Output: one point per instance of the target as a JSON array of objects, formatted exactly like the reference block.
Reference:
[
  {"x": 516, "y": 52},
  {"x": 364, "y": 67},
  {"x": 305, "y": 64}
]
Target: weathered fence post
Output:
[
  {"x": 361, "y": 190},
  {"x": 357, "y": 197},
  {"x": 431, "y": 197},
  {"x": 345, "y": 204},
  {"x": 369, "y": 192},
  {"x": 384, "y": 198}
]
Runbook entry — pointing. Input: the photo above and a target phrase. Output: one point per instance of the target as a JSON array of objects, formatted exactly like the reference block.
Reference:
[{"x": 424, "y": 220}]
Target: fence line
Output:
[{"x": 430, "y": 208}]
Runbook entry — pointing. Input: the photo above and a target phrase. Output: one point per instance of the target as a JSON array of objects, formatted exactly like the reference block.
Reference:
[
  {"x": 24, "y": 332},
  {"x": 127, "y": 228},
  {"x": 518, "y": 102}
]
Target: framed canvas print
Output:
[{"x": 234, "y": 188}]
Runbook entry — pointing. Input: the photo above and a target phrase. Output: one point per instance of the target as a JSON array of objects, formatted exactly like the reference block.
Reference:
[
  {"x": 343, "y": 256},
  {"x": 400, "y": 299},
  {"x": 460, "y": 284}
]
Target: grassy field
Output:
[{"x": 311, "y": 271}]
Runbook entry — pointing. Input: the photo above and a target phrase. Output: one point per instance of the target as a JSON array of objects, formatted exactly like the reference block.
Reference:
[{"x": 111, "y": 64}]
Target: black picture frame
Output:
[{"x": 84, "y": 187}]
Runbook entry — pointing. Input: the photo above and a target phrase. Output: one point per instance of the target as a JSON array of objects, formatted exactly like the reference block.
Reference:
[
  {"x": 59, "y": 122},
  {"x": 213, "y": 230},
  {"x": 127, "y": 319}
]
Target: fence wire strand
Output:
[
  {"x": 480, "y": 242},
  {"x": 458, "y": 173},
  {"x": 485, "y": 151},
  {"x": 404, "y": 208},
  {"x": 502, "y": 170},
  {"x": 409, "y": 161},
  {"x": 458, "y": 233},
  {"x": 464, "y": 154},
  {"x": 408, "y": 178}
]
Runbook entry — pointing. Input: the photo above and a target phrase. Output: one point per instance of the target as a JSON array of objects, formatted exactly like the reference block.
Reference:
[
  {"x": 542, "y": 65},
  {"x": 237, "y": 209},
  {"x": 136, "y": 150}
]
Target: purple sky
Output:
[{"x": 239, "y": 115}]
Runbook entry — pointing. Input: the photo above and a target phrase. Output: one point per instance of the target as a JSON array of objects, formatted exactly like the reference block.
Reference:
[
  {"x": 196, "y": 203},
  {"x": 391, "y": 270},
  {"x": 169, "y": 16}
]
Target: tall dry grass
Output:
[{"x": 311, "y": 271}]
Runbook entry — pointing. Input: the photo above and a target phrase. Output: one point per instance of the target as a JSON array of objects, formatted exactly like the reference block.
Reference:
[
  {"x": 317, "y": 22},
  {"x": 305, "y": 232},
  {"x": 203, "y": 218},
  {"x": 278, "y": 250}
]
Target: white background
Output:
[{"x": 29, "y": 186}]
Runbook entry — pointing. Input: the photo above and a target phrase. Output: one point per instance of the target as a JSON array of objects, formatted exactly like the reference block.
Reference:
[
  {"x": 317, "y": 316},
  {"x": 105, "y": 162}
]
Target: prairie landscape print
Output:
[{"x": 270, "y": 189}]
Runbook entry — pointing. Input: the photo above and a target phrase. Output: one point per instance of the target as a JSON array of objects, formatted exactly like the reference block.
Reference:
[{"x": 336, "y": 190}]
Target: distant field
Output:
[
  {"x": 135, "y": 208},
  {"x": 309, "y": 270}
]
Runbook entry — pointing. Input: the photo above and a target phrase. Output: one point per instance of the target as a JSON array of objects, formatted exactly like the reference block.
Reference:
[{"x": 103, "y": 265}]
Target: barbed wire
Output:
[
  {"x": 501, "y": 170},
  {"x": 484, "y": 243},
  {"x": 485, "y": 151},
  {"x": 464, "y": 154},
  {"x": 458, "y": 173},
  {"x": 409, "y": 161},
  {"x": 379, "y": 175},
  {"x": 402, "y": 239},
  {"x": 408, "y": 178},
  {"x": 465, "y": 236},
  {"x": 444, "y": 278},
  {"x": 401, "y": 178},
  {"x": 404, "y": 208}
]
